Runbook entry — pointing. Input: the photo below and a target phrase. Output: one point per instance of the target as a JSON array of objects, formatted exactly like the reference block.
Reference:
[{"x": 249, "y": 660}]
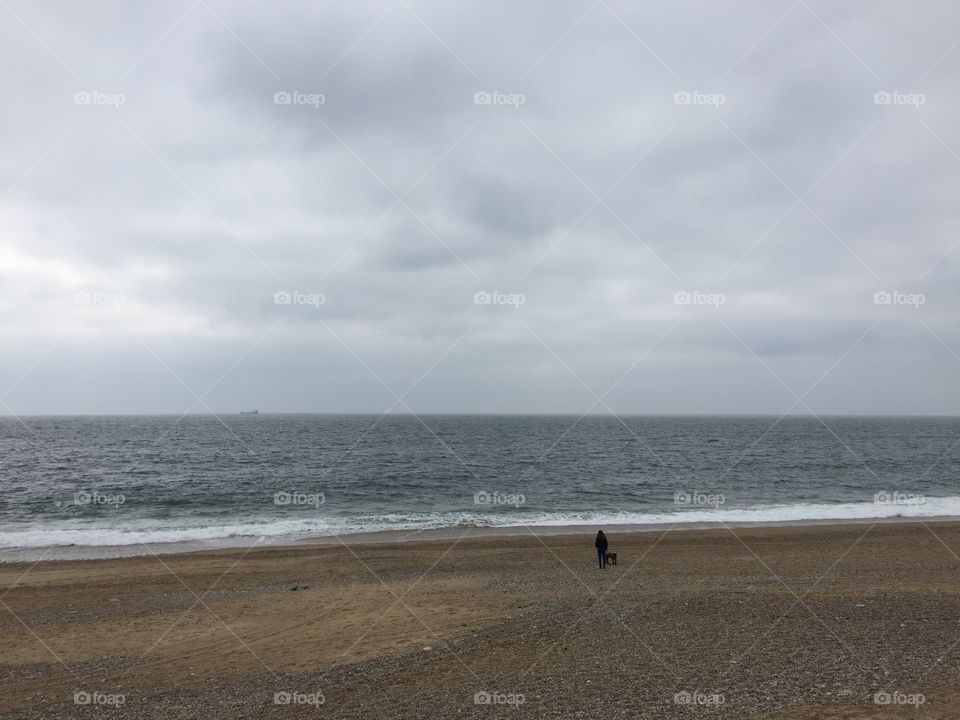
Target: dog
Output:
[{"x": 611, "y": 558}]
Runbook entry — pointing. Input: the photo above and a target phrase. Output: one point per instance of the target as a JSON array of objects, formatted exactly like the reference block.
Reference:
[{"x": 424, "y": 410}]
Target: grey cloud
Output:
[{"x": 304, "y": 198}]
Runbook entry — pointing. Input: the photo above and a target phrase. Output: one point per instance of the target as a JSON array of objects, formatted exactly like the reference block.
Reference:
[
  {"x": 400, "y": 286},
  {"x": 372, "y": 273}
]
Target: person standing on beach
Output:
[{"x": 601, "y": 545}]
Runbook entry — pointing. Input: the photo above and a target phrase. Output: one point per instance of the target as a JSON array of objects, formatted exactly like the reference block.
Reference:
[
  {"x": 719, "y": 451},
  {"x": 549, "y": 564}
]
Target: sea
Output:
[{"x": 129, "y": 482}]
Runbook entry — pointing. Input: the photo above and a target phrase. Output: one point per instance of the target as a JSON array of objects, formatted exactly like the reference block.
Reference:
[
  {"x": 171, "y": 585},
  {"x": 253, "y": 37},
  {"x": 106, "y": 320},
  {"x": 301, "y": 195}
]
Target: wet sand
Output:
[
  {"x": 102, "y": 552},
  {"x": 860, "y": 620}
]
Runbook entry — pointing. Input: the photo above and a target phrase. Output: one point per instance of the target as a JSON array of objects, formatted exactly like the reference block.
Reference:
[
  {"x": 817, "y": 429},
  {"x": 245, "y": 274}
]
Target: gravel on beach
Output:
[{"x": 840, "y": 621}]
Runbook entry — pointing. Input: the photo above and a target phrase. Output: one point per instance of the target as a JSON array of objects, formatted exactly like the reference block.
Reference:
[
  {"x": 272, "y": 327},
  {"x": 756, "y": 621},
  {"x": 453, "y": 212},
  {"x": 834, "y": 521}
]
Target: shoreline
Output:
[
  {"x": 67, "y": 553},
  {"x": 797, "y": 621}
]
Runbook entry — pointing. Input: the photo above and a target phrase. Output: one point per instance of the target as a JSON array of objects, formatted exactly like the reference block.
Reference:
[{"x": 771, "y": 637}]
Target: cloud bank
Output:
[{"x": 434, "y": 207}]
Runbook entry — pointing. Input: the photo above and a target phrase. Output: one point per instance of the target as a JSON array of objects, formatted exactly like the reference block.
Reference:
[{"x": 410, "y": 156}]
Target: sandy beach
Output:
[{"x": 828, "y": 621}]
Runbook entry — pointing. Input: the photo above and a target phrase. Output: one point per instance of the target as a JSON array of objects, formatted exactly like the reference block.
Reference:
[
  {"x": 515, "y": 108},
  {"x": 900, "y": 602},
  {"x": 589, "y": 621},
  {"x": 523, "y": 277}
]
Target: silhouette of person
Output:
[{"x": 601, "y": 545}]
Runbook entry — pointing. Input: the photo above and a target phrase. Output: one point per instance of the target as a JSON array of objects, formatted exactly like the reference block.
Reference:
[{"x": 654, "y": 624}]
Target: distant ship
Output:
[{"x": 250, "y": 412}]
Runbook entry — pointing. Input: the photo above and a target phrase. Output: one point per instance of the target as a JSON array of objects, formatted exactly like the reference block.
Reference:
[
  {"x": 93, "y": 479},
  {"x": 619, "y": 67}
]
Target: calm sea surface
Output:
[{"x": 129, "y": 480}]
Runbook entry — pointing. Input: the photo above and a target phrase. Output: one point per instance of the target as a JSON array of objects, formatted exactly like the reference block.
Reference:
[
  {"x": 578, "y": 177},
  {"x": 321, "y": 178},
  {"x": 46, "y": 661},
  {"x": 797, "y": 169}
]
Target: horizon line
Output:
[{"x": 249, "y": 413}]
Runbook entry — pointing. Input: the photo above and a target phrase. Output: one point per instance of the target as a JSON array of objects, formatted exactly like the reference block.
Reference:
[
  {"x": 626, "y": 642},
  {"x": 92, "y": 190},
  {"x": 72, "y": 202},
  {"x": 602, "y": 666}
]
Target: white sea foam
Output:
[{"x": 142, "y": 531}]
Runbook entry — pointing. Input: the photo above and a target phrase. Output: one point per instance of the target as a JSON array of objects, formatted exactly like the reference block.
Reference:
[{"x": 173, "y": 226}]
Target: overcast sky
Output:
[{"x": 686, "y": 207}]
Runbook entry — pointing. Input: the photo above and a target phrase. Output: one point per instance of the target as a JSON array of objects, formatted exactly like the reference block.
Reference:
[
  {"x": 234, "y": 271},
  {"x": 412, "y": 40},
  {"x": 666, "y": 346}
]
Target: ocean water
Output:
[{"x": 114, "y": 480}]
